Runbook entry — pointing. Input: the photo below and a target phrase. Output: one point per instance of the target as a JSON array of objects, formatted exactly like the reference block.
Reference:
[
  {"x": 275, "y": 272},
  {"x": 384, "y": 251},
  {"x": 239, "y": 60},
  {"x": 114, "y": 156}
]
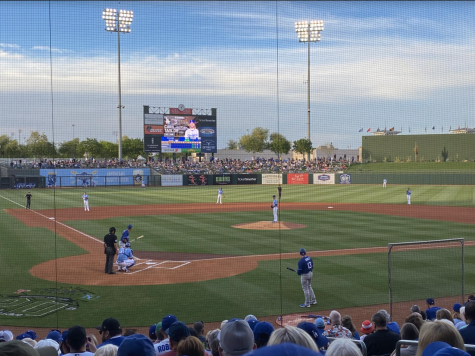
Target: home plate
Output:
[{"x": 330, "y": 207}]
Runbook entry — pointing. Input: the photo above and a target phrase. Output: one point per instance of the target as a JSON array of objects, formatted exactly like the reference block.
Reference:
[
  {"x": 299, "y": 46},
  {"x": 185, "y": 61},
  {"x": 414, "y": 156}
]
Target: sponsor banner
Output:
[
  {"x": 176, "y": 111},
  {"x": 153, "y": 130},
  {"x": 152, "y": 143},
  {"x": 208, "y": 144},
  {"x": 91, "y": 177},
  {"x": 197, "y": 179},
  {"x": 223, "y": 179},
  {"x": 172, "y": 180},
  {"x": 297, "y": 178},
  {"x": 247, "y": 179},
  {"x": 345, "y": 178},
  {"x": 208, "y": 131},
  {"x": 153, "y": 119},
  {"x": 322, "y": 178},
  {"x": 205, "y": 120},
  {"x": 272, "y": 179}
]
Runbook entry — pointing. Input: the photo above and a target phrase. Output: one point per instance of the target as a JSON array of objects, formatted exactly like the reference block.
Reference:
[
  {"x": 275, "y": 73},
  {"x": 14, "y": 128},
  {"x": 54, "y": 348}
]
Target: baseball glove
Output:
[{"x": 272, "y": 206}]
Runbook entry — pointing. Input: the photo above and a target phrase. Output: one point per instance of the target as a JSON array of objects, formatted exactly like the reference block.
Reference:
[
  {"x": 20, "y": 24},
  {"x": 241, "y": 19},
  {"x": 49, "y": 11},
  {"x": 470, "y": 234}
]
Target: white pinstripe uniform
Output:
[{"x": 85, "y": 198}]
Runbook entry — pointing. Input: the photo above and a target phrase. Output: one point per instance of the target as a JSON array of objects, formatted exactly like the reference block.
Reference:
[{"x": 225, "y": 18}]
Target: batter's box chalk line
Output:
[{"x": 151, "y": 264}]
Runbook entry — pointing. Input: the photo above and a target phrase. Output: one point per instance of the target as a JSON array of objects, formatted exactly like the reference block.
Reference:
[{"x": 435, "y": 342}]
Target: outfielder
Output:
[
  {"x": 304, "y": 270},
  {"x": 125, "y": 237},
  {"x": 408, "y": 194},
  {"x": 274, "y": 209},
  {"x": 85, "y": 198},
  {"x": 125, "y": 258},
  {"x": 384, "y": 183},
  {"x": 220, "y": 196}
]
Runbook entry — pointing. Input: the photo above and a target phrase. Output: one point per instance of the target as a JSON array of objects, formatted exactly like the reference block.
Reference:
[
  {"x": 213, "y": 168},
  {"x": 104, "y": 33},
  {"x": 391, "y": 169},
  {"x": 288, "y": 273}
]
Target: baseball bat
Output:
[
  {"x": 136, "y": 238},
  {"x": 291, "y": 269}
]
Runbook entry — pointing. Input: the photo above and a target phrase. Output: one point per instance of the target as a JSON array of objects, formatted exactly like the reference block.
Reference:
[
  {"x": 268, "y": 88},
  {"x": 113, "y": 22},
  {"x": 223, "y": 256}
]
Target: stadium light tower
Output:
[
  {"x": 118, "y": 22},
  {"x": 308, "y": 31}
]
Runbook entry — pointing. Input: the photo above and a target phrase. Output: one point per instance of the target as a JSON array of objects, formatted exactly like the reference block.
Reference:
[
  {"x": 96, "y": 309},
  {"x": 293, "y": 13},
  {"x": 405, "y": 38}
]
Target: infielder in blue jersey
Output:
[
  {"x": 384, "y": 182},
  {"x": 85, "y": 199},
  {"x": 125, "y": 258},
  {"x": 304, "y": 270},
  {"x": 408, "y": 194},
  {"x": 220, "y": 196},
  {"x": 274, "y": 209},
  {"x": 125, "y": 236}
]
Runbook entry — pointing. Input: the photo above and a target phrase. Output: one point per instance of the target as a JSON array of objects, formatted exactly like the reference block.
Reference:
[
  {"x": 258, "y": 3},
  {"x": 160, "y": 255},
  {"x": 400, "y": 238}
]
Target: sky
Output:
[{"x": 407, "y": 65}]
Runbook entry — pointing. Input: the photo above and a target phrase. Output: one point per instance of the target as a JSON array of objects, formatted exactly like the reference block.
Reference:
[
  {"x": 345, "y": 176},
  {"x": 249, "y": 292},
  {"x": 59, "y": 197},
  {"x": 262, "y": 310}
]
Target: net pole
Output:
[
  {"x": 463, "y": 270},
  {"x": 389, "y": 283}
]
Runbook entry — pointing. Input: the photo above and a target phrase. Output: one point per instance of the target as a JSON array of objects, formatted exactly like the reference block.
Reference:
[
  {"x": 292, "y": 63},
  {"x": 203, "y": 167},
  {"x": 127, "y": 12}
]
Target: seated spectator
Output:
[
  {"x": 29, "y": 341},
  {"x": 212, "y": 342},
  {"x": 415, "y": 309},
  {"x": 111, "y": 332},
  {"x": 336, "y": 329},
  {"x": 439, "y": 348},
  {"x": 107, "y": 350},
  {"x": 416, "y": 319},
  {"x": 431, "y": 309},
  {"x": 91, "y": 343},
  {"x": 236, "y": 338},
  {"x": 382, "y": 341},
  {"x": 159, "y": 335},
  {"x": 262, "y": 332},
  {"x": 366, "y": 328},
  {"x": 293, "y": 335},
  {"x": 320, "y": 324},
  {"x": 408, "y": 332},
  {"x": 348, "y": 323},
  {"x": 129, "y": 332},
  {"x": 424, "y": 315},
  {"x": 6, "y": 335},
  {"x": 343, "y": 347},
  {"x": 199, "y": 326},
  {"x": 468, "y": 332},
  {"x": 178, "y": 331},
  {"x": 76, "y": 341},
  {"x": 151, "y": 333},
  {"x": 17, "y": 348},
  {"x": 190, "y": 346},
  {"x": 316, "y": 334},
  {"x": 48, "y": 344},
  {"x": 443, "y": 314},
  {"x": 391, "y": 325},
  {"x": 63, "y": 346},
  {"x": 164, "y": 346},
  {"x": 285, "y": 349},
  {"x": 250, "y": 316},
  {"x": 463, "y": 323},
  {"x": 439, "y": 331},
  {"x": 136, "y": 344},
  {"x": 252, "y": 323},
  {"x": 456, "y": 313}
]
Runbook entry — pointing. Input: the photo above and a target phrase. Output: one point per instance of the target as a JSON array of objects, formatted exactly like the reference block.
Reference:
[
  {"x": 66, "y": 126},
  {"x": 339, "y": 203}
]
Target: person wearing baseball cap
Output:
[
  {"x": 111, "y": 332},
  {"x": 176, "y": 332},
  {"x": 17, "y": 348},
  {"x": 315, "y": 333},
  {"x": 274, "y": 208},
  {"x": 6, "y": 335},
  {"x": 262, "y": 331},
  {"x": 136, "y": 344},
  {"x": 164, "y": 345},
  {"x": 366, "y": 328},
  {"x": 320, "y": 324},
  {"x": 76, "y": 340},
  {"x": 125, "y": 236},
  {"x": 236, "y": 338},
  {"x": 431, "y": 309},
  {"x": 284, "y": 349},
  {"x": 305, "y": 268}
]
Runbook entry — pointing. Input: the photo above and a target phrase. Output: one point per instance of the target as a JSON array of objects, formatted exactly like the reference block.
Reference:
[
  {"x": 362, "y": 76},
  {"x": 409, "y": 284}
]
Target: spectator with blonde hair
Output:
[
  {"x": 191, "y": 346},
  {"x": 439, "y": 331},
  {"x": 294, "y": 336},
  {"x": 107, "y": 350},
  {"x": 343, "y": 347},
  {"x": 212, "y": 342},
  {"x": 348, "y": 323},
  {"x": 463, "y": 323},
  {"x": 443, "y": 314}
]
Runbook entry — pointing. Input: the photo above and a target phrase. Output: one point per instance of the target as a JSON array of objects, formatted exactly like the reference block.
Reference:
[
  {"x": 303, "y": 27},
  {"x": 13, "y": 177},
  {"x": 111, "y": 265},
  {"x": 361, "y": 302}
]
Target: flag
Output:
[
  {"x": 391, "y": 129},
  {"x": 361, "y": 130},
  {"x": 368, "y": 130},
  {"x": 433, "y": 127}
]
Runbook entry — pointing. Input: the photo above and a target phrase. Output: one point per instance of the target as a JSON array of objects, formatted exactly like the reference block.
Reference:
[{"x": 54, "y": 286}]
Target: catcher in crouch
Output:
[{"x": 125, "y": 258}]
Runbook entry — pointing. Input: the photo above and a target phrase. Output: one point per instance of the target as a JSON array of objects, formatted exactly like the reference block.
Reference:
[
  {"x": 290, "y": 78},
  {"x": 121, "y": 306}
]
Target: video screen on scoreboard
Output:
[{"x": 180, "y": 134}]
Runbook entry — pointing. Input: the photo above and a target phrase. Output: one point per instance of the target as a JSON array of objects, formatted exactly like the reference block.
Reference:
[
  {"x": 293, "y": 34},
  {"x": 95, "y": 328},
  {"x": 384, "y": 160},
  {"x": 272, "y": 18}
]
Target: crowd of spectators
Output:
[{"x": 435, "y": 334}]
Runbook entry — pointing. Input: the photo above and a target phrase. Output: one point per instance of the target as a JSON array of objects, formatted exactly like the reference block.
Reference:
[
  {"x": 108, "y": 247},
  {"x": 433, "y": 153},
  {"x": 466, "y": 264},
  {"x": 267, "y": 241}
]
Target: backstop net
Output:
[{"x": 425, "y": 269}]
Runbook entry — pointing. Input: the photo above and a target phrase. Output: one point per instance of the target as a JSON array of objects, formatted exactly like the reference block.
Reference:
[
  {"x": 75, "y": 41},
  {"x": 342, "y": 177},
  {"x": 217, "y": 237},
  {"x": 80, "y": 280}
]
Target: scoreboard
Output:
[{"x": 170, "y": 144}]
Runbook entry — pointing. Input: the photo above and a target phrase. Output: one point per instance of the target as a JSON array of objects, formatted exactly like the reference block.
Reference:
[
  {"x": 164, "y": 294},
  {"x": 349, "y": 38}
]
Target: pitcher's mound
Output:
[{"x": 268, "y": 225}]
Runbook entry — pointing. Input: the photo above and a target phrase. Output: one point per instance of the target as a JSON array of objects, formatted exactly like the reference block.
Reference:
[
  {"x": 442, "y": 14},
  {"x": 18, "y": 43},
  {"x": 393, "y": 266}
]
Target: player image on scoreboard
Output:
[{"x": 181, "y": 134}]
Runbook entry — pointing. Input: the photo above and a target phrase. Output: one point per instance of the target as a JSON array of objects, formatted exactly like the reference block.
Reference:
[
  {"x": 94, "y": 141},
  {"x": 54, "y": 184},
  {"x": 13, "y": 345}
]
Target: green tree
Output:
[
  {"x": 256, "y": 141},
  {"x": 109, "y": 149},
  {"x": 303, "y": 146},
  {"x": 90, "y": 146},
  {"x": 132, "y": 147},
  {"x": 70, "y": 148},
  {"x": 4, "y": 141},
  {"x": 233, "y": 145},
  {"x": 39, "y": 146},
  {"x": 11, "y": 149},
  {"x": 279, "y": 144}
]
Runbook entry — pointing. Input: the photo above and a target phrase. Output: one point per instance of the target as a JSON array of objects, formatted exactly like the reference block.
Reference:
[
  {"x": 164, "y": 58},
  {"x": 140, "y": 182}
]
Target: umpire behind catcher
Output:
[{"x": 110, "y": 249}]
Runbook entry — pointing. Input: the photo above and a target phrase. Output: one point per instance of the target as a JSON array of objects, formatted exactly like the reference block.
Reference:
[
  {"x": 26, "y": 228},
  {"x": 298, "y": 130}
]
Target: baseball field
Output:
[{"x": 205, "y": 261}]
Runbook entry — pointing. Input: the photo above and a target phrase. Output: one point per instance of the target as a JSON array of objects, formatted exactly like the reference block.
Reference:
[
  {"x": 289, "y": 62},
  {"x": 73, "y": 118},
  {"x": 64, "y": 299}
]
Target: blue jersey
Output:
[
  {"x": 220, "y": 191},
  {"x": 85, "y": 197},
  {"x": 125, "y": 235},
  {"x": 124, "y": 254},
  {"x": 305, "y": 265},
  {"x": 275, "y": 202},
  {"x": 408, "y": 192}
]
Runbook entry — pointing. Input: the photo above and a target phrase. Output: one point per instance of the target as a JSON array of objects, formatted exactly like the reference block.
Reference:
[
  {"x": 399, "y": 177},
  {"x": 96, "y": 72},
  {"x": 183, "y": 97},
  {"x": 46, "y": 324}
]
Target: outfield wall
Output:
[{"x": 430, "y": 147}]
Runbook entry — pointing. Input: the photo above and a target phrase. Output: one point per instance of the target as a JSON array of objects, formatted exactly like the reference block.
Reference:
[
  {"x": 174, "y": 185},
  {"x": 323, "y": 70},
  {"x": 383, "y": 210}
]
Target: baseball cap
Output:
[
  {"x": 136, "y": 344},
  {"x": 262, "y": 327},
  {"x": 236, "y": 337},
  {"x": 167, "y": 321},
  {"x": 29, "y": 341},
  {"x": 252, "y": 323},
  {"x": 109, "y": 324},
  {"x": 47, "y": 342},
  {"x": 433, "y": 347},
  {"x": 273, "y": 196},
  {"x": 17, "y": 348},
  {"x": 6, "y": 335},
  {"x": 129, "y": 226},
  {"x": 64, "y": 335},
  {"x": 158, "y": 327},
  {"x": 285, "y": 349},
  {"x": 430, "y": 301},
  {"x": 302, "y": 251},
  {"x": 32, "y": 334},
  {"x": 127, "y": 244},
  {"x": 54, "y": 335},
  {"x": 315, "y": 333},
  {"x": 457, "y": 307},
  {"x": 192, "y": 121},
  {"x": 320, "y": 323},
  {"x": 177, "y": 331},
  {"x": 23, "y": 336},
  {"x": 152, "y": 331},
  {"x": 250, "y": 316},
  {"x": 451, "y": 351},
  {"x": 367, "y": 327}
]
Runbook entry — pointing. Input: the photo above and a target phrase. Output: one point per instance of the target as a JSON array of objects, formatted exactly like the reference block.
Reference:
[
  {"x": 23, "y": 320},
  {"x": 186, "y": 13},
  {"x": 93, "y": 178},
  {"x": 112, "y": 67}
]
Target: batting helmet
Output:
[
  {"x": 127, "y": 244},
  {"x": 302, "y": 251},
  {"x": 129, "y": 227},
  {"x": 112, "y": 229}
]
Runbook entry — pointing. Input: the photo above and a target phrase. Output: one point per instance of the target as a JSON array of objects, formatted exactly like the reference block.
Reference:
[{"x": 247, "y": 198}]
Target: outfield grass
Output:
[
  {"x": 340, "y": 281},
  {"x": 413, "y": 167}
]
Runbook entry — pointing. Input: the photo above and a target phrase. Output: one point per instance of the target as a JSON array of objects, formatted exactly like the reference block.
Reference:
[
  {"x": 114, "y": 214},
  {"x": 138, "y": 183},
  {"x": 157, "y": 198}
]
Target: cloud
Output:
[
  {"x": 55, "y": 50},
  {"x": 9, "y": 45}
]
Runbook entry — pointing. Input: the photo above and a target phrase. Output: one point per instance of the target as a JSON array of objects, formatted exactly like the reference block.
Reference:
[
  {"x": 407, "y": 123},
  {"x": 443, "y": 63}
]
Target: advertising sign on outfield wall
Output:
[
  {"x": 322, "y": 178},
  {"x": 172, "y": 180},
  {"x": 297, "y": 178},
  {"x": 247, "y": 179},
  {"x": 272, "y": 179},
  {"x": 223, "y": 179},
  {"x": 345, "y": 178},
  {"x": 197, "y": 179}
]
